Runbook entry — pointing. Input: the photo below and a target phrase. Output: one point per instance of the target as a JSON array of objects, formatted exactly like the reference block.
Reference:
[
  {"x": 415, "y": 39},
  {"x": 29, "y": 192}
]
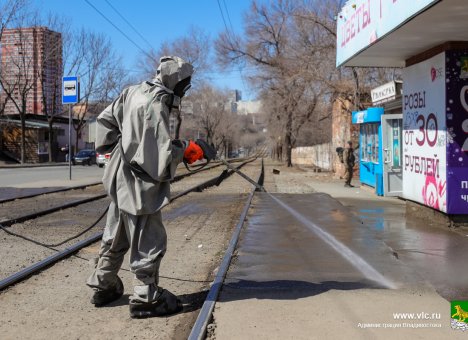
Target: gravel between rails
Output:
[
  {"x": 58, "y": 226},
  {"x": 55, "y": 303},
  {"x": 12, "y": 209}
]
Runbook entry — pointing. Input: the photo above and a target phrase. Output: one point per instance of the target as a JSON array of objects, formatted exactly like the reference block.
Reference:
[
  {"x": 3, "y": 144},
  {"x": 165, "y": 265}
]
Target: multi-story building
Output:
[
  {"x": 30, "y": 68},
  {"x": 31, "y": 63}
]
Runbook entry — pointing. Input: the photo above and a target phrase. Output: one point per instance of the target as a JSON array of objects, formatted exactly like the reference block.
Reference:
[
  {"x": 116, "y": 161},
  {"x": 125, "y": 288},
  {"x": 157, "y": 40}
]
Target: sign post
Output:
[{"x": 70, "y": 96}]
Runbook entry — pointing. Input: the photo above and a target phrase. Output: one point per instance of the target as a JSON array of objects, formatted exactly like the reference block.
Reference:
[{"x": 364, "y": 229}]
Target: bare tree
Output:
[
  {"x": 21, "y": 76},
  {"x": 292, "y": 44},
  {"x": 209, "y": 111},
  {"x": 267, "y": 29},
  {"x": 194, "y": 47},
  {"x": 50, "y": 76},
  {"x": 9, "y": 11},
  {"x": 249, "y": 133},
  {"x": 213, "y": 118},
  {"x": 100, "y": 71}
]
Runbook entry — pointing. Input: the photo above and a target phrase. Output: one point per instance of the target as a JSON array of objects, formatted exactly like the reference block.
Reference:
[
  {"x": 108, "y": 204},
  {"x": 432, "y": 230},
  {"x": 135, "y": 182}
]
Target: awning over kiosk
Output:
[{"x": 387, "y": 33}]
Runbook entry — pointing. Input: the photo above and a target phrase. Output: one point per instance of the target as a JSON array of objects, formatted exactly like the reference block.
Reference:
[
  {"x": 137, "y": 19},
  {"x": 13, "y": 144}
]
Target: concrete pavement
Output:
[
  {"x": 286, "y": 282},
  {"x": 17, "y": 182}
]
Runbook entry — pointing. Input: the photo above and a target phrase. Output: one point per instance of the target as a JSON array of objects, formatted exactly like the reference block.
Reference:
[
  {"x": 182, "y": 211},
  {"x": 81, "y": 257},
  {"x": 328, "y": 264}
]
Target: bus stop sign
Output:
[{"x": 70, "y": 90}]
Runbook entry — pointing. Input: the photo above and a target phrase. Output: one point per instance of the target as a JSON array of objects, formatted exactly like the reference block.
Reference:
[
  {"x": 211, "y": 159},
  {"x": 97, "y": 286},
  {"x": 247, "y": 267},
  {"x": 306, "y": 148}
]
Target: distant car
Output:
[
  {"x": 102, "y": 159},
  {"x": 233, "y": 154},
  {"x": 84, "y": 157}
]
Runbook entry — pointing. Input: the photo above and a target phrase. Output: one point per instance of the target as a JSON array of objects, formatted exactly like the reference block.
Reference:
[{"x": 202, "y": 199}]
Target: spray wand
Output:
[{"x": 244, "y": 176}]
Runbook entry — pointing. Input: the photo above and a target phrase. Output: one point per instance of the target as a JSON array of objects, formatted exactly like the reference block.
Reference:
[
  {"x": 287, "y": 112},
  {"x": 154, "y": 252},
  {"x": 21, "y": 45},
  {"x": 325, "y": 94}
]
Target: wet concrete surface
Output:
[
  {"x": 277, "y": 252},
  {"x": 436, "y": 253}
]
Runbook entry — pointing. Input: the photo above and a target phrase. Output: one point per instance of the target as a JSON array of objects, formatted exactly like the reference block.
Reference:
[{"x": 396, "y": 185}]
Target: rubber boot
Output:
[
  {"x": 166, "y": 304},
  {"x": 103, "y": 297}
]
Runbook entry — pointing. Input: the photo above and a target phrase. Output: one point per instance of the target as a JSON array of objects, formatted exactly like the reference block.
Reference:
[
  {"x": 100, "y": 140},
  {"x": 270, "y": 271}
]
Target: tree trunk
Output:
[
  {"x": 357, "y": 95},
  {"x": 76, "y": 139},
  {"x": 287, "y": 144},
  {"x": 51, "y": 135},
  {"x": 287, "y": 140},
  {"x": 23, "y": 139},
  {"x": 23, "y": 129}
]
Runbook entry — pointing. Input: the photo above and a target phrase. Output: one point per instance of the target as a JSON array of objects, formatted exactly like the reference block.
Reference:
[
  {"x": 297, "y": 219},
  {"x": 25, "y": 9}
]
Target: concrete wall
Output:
[
  {"x": 318, "y": 156},
  {"x": 249, "y": 107},
  {"x": 324, "y": 155},
  {"x": 343, "y": 131}
]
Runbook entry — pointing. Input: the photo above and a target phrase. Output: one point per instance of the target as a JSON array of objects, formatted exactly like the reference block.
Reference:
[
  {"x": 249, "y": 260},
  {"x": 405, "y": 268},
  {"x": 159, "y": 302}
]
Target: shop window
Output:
[
  {"x": 370, "y": 142},
  {"x": 396, "y": 142}
]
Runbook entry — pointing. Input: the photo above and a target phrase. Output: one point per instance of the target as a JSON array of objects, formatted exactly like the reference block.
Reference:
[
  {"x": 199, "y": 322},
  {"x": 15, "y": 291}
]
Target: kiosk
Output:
[{"x": 370, "y": 152}]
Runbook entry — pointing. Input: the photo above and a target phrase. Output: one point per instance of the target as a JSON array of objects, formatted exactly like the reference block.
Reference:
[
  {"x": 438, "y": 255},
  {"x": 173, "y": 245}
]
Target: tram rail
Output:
[{"x": 40, "y": 265}]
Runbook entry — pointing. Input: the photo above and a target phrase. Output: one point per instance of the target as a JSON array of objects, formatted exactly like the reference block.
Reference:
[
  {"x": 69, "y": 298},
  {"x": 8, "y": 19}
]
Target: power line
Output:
[
  {"x": 117, "y": 28},
  {"x": 228, "y": 16},
  {"x": 230, "y": 36},
  {"x": 224, "y": 20},
  {"x": 129, "y": 24},
  {"x": 217, "y": 75}
]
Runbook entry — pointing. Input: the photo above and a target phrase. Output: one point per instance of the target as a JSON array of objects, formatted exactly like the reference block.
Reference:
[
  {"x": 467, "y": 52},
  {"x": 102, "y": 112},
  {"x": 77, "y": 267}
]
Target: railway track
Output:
[
  {"x": 23, "y": 208},
  {"x": 60, "y": 254},
  {"x": 46, "y": 191},
  {"x": 199, "y": 329},
  {"x": 198, "y": 221}
]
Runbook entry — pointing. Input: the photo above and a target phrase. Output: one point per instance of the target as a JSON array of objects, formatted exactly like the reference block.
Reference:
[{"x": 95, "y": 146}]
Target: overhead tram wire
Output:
[
  {"x": 218, "y": 76},
  {"x": 117, "y": 28},
  {"x": 224, "y": 21},
  {"x": 129, "y": 24},
  {"x": 230, "y": 35},
  {"x": 228, "y": 16}
]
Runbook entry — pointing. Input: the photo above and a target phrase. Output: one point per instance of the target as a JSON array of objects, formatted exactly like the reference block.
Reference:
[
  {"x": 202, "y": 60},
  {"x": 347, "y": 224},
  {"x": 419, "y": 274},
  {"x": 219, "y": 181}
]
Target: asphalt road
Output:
[{"x": 49, "y": 176}]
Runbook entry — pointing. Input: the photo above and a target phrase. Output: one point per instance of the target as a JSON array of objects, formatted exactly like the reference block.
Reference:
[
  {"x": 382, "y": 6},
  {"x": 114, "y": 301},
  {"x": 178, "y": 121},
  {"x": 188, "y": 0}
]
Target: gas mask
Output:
[
  {"x": 182, "y": 87},
  {"x": 173, "y": 76},
  {"x": 179, "y": 92}
]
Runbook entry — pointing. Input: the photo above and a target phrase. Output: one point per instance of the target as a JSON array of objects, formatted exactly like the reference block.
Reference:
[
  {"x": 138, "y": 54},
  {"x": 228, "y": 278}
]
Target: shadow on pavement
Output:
[
  {"x": 191, "y": 301},
  {"x": 286, "y": 289}
]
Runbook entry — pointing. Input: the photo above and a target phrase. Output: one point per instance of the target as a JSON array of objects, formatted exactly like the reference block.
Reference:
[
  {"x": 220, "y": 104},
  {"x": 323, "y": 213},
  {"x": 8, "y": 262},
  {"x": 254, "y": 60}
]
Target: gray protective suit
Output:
[{"x": 137, "y": 125}]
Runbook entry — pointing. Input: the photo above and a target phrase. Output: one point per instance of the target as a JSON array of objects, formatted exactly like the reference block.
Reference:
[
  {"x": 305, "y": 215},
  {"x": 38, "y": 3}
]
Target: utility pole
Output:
[{"x": 70, "y": 96}]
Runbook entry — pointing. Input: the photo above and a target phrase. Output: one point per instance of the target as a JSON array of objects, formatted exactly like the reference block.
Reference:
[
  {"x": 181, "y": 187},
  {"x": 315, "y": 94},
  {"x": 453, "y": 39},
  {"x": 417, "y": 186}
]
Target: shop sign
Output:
[
  {"x": 424, "y": 133},
  {"x": 359, "y": 117},
  {"x": 457, "y": 131},
  {"x": 364, "y": 22},
  {"x": 384, "y": 93}
]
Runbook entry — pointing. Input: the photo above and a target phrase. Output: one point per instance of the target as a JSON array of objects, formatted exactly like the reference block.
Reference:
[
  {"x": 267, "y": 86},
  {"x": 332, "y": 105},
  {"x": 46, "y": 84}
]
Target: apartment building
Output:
[
  {"x": 31, "y": 67},
  {"x": 31, "y": 63}
]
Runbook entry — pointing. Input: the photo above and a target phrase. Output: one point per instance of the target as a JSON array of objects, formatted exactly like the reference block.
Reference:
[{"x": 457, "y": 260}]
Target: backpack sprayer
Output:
[{"x": 209, "y": 153}]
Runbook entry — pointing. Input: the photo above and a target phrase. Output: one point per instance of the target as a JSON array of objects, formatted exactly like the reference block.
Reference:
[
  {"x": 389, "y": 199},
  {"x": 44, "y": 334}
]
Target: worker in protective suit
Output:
[{"x": 135, "y": 129}]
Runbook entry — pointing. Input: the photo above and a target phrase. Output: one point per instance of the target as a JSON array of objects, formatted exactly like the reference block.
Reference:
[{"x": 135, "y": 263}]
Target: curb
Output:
[{"x": 39, "y": 165}]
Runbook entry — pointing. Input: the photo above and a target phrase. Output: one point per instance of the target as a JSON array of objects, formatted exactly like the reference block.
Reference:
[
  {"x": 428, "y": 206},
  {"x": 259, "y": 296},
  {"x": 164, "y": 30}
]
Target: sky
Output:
[{"x": 156, "y": 21}]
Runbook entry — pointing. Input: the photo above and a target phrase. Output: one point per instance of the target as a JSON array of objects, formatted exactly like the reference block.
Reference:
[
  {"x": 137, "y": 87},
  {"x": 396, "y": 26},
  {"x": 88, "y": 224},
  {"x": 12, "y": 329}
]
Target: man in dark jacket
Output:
[{"x": 349, "y": 160}]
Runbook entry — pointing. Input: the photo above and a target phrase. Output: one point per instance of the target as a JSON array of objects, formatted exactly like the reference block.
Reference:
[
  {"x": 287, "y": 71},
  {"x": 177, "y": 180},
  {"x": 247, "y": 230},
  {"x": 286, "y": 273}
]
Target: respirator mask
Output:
[{"x": 179, "y": 91}]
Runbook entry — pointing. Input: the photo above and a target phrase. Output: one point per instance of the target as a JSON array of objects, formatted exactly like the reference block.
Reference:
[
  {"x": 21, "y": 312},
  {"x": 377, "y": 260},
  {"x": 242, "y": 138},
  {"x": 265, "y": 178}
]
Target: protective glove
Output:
[
  {"x": 209, "y": 152},
  {"x": 193, "y": 152}
]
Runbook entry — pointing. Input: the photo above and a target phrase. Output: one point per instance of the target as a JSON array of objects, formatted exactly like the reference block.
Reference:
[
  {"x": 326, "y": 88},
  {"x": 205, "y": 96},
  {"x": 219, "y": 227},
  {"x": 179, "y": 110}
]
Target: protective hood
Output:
[{"x": 172, "y": 70}]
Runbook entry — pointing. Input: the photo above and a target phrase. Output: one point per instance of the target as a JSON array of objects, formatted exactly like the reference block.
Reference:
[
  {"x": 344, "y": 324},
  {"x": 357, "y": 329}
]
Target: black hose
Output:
[{"x": 51, "y": 246}]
